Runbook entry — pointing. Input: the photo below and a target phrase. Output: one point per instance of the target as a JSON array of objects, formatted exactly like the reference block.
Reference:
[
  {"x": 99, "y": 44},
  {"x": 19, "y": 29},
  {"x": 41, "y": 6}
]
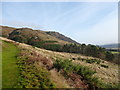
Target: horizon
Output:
[{"x": 97, "y": 26}]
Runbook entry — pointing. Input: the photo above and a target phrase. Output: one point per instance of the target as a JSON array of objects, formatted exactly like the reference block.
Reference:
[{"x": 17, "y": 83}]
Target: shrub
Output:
[
  {"x": 85, "y": 72},
  {"x": 68, "y": 67},
  {"x": 79, "y": 58},
  {"x": 93, "y": 61},
  {"x": 105, "y": 66}
]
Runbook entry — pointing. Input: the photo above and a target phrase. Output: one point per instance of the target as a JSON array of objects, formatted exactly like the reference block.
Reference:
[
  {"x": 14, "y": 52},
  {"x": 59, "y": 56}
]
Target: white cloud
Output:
[
  {"x": 104, "y": 32},
  {"x": 21, "y": 24}
]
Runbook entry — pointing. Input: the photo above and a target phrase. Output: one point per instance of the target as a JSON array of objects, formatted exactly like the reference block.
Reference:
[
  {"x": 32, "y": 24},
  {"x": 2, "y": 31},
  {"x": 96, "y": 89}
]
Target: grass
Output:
[
  {"x": 115, "y": 52},
  {"x": 19, "y": 70},
  {"x": 9, "y": 68},
  {"x": 0, "y": 65}
]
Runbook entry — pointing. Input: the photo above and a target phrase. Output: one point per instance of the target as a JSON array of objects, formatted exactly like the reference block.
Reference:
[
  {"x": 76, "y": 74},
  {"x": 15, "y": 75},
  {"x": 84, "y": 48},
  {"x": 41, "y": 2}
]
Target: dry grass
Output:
[{"x": 58, "y": 79}]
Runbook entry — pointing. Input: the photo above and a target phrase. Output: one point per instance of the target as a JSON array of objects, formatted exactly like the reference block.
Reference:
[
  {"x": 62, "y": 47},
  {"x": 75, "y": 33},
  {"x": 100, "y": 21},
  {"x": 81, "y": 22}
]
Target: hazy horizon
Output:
[{"x": 86, "y": 22}]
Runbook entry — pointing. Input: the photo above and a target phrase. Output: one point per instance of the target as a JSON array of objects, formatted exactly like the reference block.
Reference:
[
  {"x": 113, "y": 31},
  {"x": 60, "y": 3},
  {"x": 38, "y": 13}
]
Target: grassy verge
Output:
[
  {"x": 9, "y": 68},
  {"x": 0, "y": 64}
]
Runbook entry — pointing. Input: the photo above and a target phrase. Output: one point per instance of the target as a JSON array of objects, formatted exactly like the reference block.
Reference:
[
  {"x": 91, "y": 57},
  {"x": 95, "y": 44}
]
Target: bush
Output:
[
  {"x": 93, "y": 61},
  {"x": 105, "y": 66},
  {"x": 85, "y": 72},
  {"x": 69, "y": 67}
]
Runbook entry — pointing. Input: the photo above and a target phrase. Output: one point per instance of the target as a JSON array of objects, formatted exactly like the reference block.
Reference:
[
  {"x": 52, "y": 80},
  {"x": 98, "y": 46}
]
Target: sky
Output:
[{"x": 86, "y": 22}]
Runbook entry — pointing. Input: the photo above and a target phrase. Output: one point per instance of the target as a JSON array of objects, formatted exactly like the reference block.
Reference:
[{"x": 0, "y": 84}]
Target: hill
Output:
[
  {"x": 61, "y": 37},
  {"x": 115, "y": 45},
  {"x": 40, "y": 68},
  {"x": 54, "y": 41},
  {"x": 43, "y": 35},
  {"x": 5, "y": 30}
]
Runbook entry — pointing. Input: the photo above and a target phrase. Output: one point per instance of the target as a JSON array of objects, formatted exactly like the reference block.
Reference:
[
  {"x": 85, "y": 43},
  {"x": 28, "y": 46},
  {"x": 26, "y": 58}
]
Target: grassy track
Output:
[
  {"x": 0, "y": 65},
  {"x": 9, "y": 67}
]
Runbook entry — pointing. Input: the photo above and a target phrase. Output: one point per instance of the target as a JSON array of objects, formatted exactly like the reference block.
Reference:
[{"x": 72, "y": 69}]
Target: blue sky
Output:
[{"x": 85, "y": 22}]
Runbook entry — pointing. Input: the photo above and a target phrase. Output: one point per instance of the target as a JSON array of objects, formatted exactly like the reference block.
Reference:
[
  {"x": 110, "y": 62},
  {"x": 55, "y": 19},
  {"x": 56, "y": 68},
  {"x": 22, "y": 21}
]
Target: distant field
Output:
[
  {"x": 9, "y": 67},
  {"x": 115, "y": 52}
]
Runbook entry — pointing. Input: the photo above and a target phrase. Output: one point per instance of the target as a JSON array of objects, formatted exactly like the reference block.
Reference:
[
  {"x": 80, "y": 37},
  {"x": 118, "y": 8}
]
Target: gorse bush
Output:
[
  {"x": 105, "y": 66},
  {"x": 97, "y": 61}
]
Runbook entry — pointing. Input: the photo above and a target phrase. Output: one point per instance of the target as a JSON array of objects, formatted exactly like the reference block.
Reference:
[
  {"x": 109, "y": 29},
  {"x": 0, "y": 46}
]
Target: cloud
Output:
[
  {"x": 19, "y": 24},
  {"x": 104, "y": 32}
]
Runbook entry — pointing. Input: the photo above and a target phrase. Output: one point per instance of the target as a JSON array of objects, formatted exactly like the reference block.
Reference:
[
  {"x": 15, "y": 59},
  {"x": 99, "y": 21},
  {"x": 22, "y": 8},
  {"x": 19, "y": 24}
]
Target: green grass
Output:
[
  {"x": 115, "y": 52},
  {"x": 9, "y": 68},
  {"x": 0, "y": 66}
]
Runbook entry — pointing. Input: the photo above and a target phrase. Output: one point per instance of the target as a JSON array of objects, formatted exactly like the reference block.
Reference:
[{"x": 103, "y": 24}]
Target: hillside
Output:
[
  {"x": 111, "y": 45},
  {"x": 5, "y": 30},
  {"x": 61, "y": 37},
  {"x": 54, "y": 41},
  {"x": 40, "y": 68},
  {"x": 43, "y": 35}
]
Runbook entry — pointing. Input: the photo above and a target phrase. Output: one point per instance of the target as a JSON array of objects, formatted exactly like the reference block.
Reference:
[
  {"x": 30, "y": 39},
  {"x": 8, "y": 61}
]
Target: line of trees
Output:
[{"x": 89, "y": 50}]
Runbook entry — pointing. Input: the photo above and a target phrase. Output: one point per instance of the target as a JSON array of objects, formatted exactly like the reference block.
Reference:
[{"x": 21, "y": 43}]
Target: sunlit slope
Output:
[
  {"x": 105, "y": 71},
  {"x": 27, "y": 33}
]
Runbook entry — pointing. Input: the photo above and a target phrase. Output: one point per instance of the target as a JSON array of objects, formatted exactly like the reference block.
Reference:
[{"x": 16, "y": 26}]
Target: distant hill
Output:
[
  {"x": 5, "y": 30},
  {"x": 26, "y": 33},
  {"x": 115, "y": 45},
  {"x": 10, "y": 32},
  {"x": 61, "y": 37}
]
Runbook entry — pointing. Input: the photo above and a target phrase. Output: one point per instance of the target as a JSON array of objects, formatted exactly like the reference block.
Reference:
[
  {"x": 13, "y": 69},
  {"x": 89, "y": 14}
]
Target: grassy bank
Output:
[
  {"x": 9, "y": 68},
  {"x": 0, "y": 65}
]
